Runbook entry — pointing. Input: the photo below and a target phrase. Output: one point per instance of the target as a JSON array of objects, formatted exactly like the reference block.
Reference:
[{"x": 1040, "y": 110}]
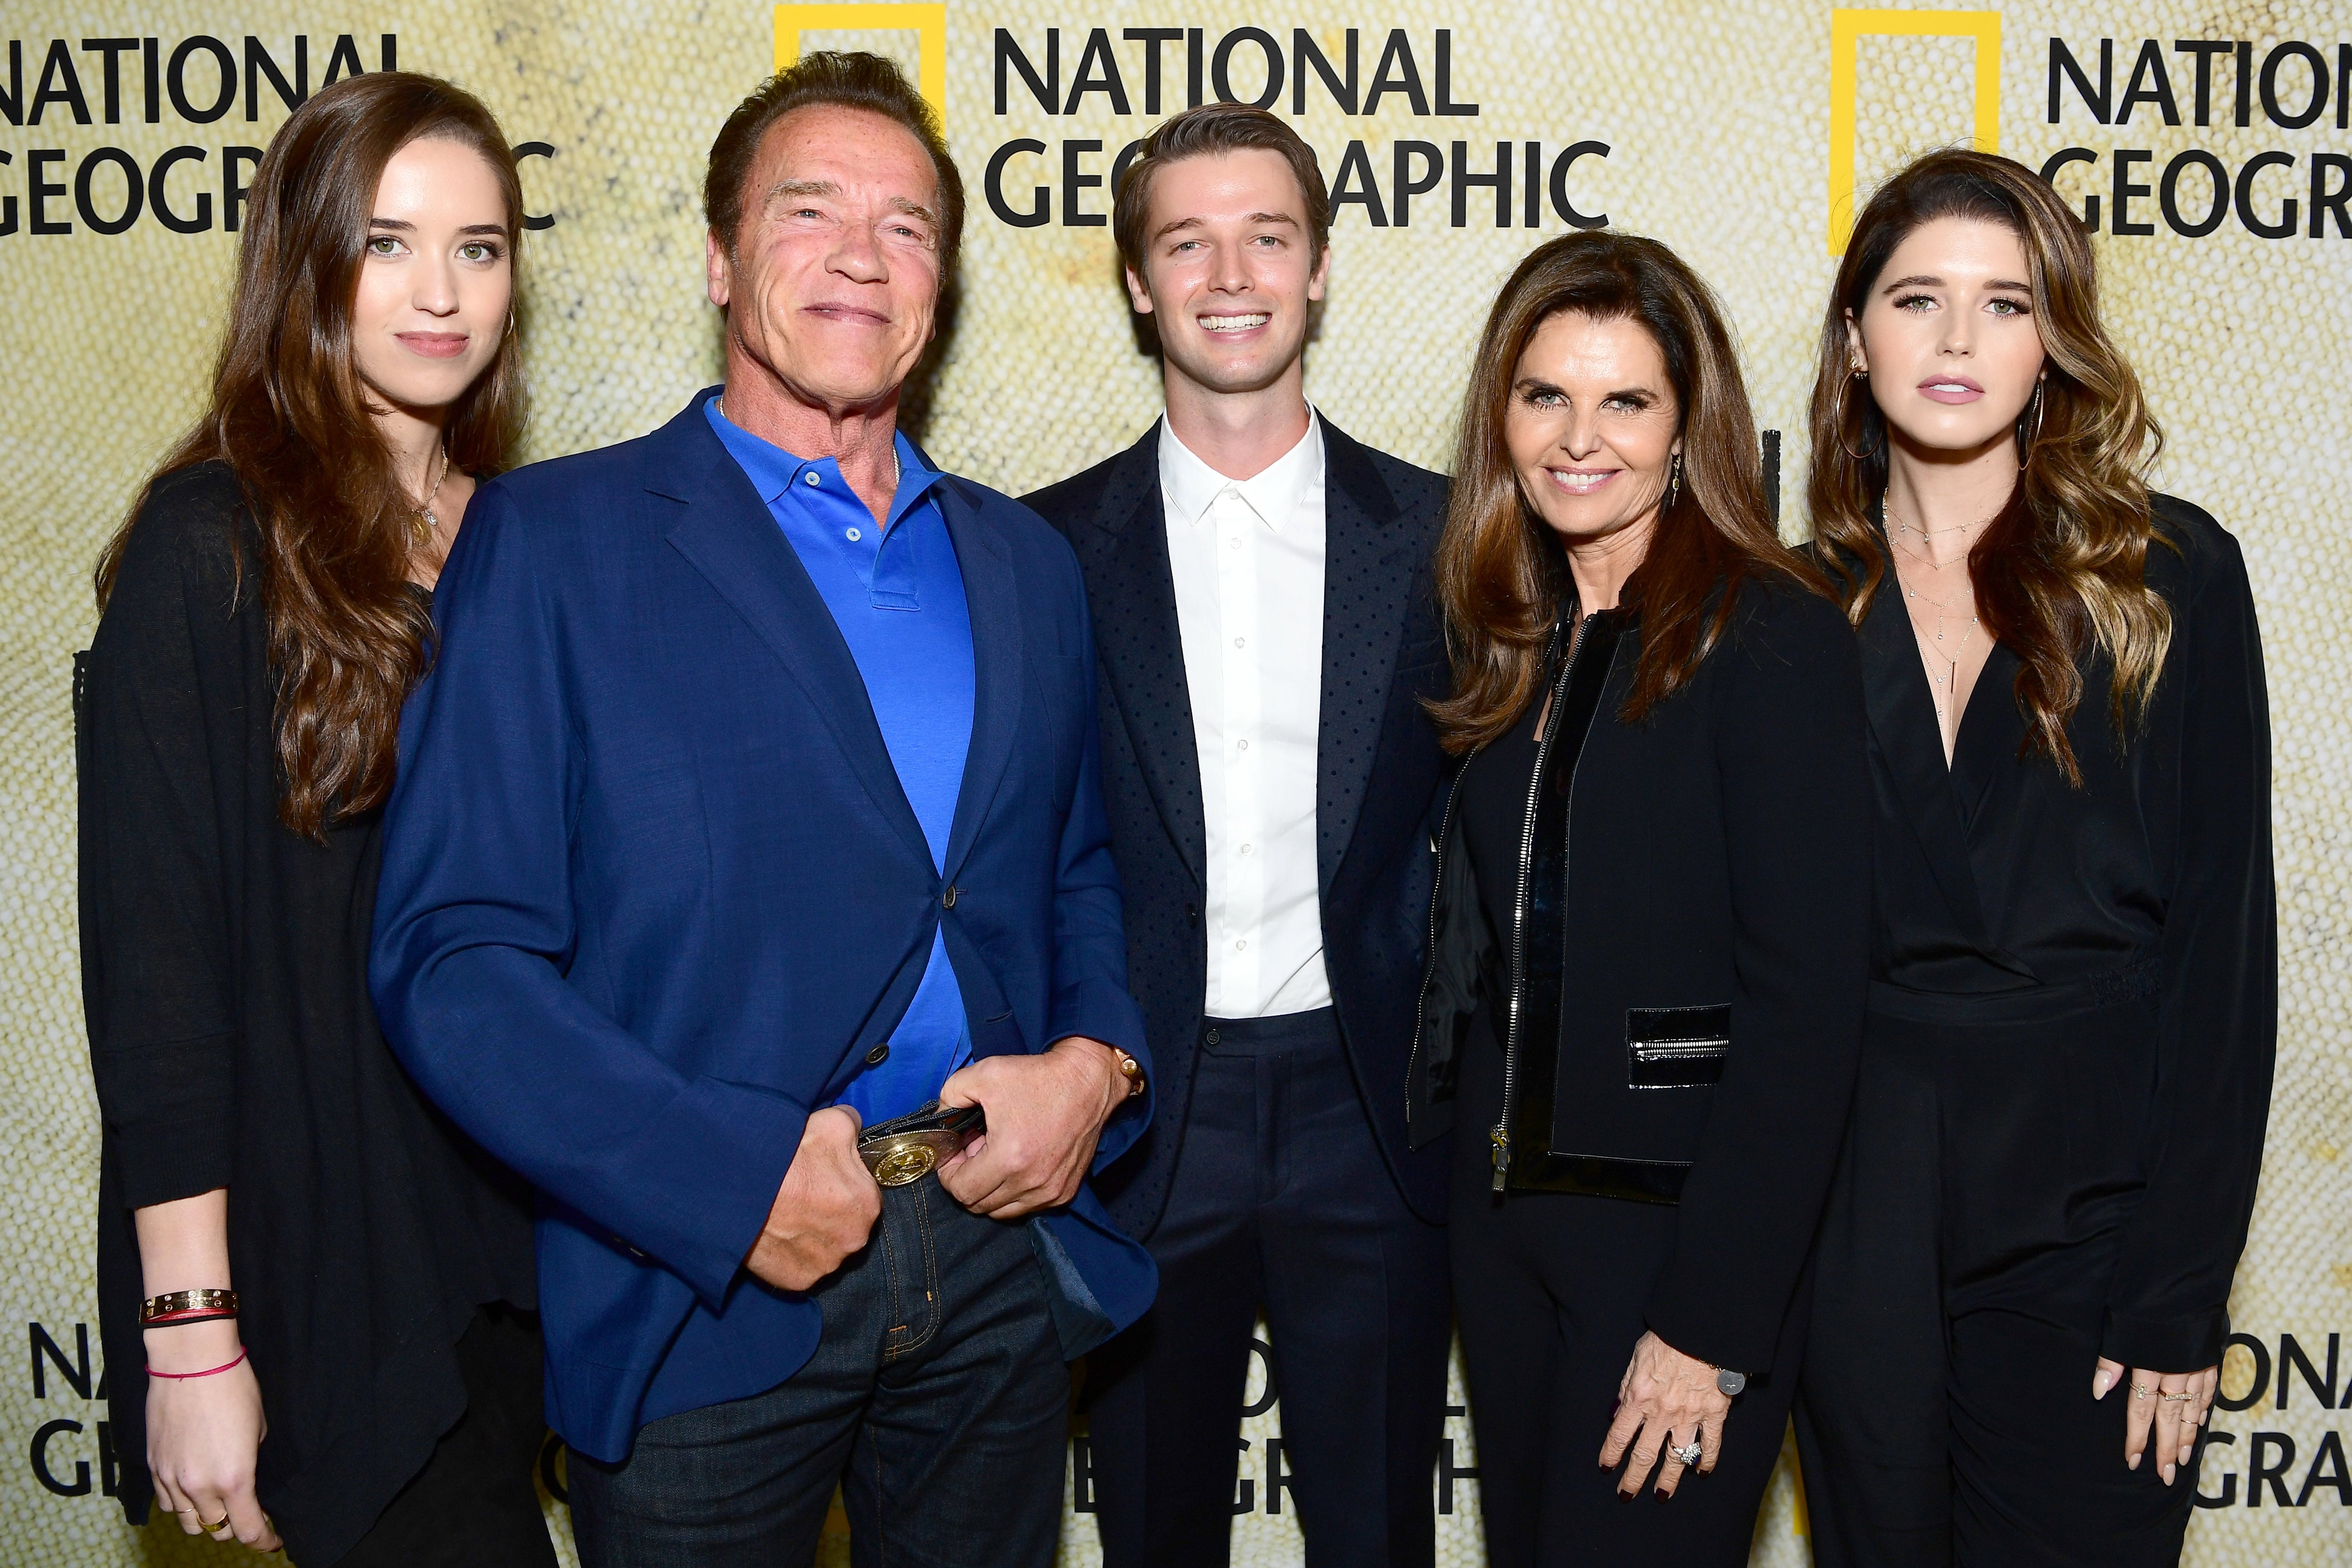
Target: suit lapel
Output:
[
  {"x": 1141, "y": 647},
  {"x": 1366, "y": 580},
  {"x": 725, "y": 531},
  {"x": 994, "y": 599}
]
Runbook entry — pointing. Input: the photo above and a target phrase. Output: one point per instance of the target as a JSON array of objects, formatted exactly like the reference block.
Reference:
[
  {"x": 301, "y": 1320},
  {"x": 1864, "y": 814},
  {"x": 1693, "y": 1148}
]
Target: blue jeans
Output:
[{"x": 936, "y": 1400}]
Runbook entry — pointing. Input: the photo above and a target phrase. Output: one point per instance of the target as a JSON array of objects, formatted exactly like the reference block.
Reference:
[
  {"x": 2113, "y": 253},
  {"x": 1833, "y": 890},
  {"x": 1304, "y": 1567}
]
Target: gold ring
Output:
[
  {"x": 222, "y": 1523},
  {"x": 2142, "y": 1390}
]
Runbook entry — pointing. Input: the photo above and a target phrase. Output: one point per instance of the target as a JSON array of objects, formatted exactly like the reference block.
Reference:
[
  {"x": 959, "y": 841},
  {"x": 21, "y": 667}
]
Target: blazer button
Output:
[
  {"x": 879, "y": 1055},
  {"x": 1212, "y": 1037},
  {"x": 947, "y": 899}
]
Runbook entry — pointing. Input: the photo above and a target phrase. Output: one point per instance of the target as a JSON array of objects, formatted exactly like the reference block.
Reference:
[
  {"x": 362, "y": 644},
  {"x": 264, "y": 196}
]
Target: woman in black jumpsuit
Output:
[{"x": 2021, "y": 1284}]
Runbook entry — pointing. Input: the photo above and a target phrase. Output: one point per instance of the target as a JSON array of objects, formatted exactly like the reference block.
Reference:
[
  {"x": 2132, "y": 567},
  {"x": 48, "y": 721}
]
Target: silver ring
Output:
[{"x": 1688, "y": 1455}]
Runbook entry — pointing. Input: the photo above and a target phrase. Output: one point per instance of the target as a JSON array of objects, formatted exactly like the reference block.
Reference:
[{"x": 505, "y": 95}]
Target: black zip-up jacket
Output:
[{"x": 1682, "y": 979}]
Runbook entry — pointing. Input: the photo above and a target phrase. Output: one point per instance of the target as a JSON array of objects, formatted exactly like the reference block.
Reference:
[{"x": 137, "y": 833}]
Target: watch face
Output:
[{"x": 1728, "y": 1383}]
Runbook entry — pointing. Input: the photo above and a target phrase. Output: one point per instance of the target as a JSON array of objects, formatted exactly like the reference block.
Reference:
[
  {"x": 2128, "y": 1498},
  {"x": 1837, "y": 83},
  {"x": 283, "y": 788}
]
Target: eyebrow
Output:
[
  {"x": 403, "y": 226},
  {"x": 1538, "y": 384},
  {"x": 830, "y": 188},
  {"x": 1164, "y": 230},
  {"x": 1928, "y": 280}
]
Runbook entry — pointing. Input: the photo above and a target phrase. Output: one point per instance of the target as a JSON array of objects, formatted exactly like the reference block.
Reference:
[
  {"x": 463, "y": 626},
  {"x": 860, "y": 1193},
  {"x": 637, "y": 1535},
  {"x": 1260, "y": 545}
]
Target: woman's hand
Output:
[
  {"x": 2174, "y": 1403},
  {"x": 203, "y": 1432},
  {"x": 1670, "y": 1399}
]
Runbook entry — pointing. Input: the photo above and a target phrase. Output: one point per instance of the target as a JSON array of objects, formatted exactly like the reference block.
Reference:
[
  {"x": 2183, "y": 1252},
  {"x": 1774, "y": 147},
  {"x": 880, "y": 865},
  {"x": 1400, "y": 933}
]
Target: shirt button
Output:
[
  {"x": 811, "y": 479},
  {"x": 1241, "y": 943},
  {"x": 1241, "y": 642},
  {"x": 855, "y": 536},
  {"x": 1237, "y": 544},
  {"x": 1242, "y": 744},
  {"x": 879, "y": 1055},
  {"x": 1245, "y": 849}
]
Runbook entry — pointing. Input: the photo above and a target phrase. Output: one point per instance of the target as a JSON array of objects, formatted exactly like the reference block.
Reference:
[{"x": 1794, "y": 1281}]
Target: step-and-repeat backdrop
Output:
[{"x": 2206, "y": 143}]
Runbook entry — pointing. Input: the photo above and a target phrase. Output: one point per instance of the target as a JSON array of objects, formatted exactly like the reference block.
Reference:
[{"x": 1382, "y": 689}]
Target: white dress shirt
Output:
[{"x": 1247, "y": 558}]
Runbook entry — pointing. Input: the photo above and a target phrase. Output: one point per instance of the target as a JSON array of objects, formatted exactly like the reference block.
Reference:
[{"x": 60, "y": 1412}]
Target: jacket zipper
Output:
[
  {"x": 1501, "y": 1134},
  {"x": 1429, "y": 969}
]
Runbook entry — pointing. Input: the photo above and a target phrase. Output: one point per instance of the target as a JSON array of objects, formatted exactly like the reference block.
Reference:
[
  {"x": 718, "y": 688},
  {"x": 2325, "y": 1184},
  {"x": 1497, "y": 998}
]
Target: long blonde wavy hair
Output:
[{"x": 2063, "y": 565}]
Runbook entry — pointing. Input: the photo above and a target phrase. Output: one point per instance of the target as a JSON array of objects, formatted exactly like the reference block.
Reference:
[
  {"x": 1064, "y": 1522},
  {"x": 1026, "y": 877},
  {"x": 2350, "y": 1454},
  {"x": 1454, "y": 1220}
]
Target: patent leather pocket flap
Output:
[{"x": 1677, "y": 1048}]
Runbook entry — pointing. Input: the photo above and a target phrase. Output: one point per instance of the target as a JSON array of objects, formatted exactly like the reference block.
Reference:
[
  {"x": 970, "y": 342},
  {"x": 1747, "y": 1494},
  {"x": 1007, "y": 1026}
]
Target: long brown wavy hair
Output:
[
  {"x": 1501, "y": 576},
  {"x": 2063, "y": 564},
  {"x": 289, "y": 416}
]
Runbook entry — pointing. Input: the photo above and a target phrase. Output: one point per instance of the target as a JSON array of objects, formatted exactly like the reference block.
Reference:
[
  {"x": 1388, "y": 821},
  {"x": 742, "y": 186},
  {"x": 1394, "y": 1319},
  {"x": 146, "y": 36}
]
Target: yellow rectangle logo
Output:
[
  {"x": 1848, "y": 26},
  {"x": 927, "y": 22}
]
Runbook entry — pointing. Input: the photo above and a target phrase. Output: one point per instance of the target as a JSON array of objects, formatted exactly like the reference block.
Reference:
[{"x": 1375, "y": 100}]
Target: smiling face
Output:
[
  {"x": 1947, "y": 336},
  {"x": 437, "y": 279},
  {"x": 1229, "y": 269},
  {"x": 832, "y": 285},
  {"x": 1591, "y": 426}
]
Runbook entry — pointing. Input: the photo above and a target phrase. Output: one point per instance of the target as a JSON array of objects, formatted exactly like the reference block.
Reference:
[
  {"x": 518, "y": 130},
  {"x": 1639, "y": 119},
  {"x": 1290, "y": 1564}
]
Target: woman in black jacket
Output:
[
  {"x": 1648, "y": 939},
  {"x": 2025, "y": 1273},
  {"x": 326, "y": 1285}
]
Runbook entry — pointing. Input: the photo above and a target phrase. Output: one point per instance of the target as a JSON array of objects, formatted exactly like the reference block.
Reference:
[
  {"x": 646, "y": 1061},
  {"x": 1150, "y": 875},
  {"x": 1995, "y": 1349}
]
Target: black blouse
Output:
[
  {"x": 1995, "y": 875},
  {"x": 225, "y": 982}
]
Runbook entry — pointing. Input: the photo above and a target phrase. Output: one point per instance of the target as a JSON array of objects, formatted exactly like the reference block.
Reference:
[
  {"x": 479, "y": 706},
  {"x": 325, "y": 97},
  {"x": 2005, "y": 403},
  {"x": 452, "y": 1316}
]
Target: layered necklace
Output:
[{"x": 1940, "y": 652}]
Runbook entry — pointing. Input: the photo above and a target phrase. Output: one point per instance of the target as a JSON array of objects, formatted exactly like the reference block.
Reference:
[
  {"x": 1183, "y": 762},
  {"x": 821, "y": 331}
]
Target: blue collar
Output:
[{"x": 774, "y": 471}]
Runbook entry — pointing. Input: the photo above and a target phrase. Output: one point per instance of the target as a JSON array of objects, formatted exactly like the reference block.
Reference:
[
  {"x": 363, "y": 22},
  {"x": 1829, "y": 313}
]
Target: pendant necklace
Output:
[
  {"x": 428, "y": 521},
  {"x": 1941, "y": 687}
]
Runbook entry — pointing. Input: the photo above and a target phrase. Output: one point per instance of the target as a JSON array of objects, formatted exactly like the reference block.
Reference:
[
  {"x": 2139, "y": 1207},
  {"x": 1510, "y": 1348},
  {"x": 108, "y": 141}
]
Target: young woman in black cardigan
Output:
[
  {"x": 2025, "y": 1273},
  {"x": 1653, "y": 893},
  {"x": 326, "y": 1285}
]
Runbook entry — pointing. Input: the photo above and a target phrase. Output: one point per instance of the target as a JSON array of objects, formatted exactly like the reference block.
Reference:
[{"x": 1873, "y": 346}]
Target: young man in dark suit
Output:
[{"x": 1265, "y": 631}]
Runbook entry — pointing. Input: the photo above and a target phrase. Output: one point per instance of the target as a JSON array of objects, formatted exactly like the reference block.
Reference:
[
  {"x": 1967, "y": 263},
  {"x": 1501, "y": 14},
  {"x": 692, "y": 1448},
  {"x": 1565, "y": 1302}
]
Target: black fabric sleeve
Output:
[
  {"x": 156, "y": 985},
  {"x": 2217, "y": 1019},
  {"x": 1794, "y": 782}
]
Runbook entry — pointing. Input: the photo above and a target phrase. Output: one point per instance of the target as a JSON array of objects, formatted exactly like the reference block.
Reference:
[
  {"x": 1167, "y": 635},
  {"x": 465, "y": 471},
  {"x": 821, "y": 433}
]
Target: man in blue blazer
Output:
[{"x": 754, "y": 799}]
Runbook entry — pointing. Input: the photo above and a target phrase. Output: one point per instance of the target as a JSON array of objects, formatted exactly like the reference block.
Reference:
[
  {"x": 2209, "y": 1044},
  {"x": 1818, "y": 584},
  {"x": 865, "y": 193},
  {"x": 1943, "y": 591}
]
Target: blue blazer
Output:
[{"x": 651, "y": 890}]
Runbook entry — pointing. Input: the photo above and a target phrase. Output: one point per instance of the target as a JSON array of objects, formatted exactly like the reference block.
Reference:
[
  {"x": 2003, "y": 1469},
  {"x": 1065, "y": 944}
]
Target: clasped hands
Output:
[{"x": 1044, "y": 1114}]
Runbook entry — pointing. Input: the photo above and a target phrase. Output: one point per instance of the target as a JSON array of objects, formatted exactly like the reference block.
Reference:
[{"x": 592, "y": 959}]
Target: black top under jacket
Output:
[
  {"x": 1995, "y": 875},
  {"x": 1686, "y": 954},
  {"x": 1379, "y": 771},
  {"x": 224, "y": 984}
]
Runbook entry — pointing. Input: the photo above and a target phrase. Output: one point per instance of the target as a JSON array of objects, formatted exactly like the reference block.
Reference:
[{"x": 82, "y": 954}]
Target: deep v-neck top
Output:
[{"x": 1993, "y": 873}]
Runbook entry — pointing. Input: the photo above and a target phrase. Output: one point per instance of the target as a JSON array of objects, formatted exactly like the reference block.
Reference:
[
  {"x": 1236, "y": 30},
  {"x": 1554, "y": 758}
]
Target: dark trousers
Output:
[
  {"x": 937, "y": 1401},
  {"x": 474, "y": 1504},
  {"x": 1549, "y": 1289},
  {"x": 1280, "y": 1199},
  {"x": 1946, "y": 1417}
]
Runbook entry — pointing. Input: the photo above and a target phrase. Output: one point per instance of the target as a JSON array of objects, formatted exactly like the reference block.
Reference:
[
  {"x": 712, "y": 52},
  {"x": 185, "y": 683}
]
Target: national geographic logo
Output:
[
  {"x": 1149, "y": 73},
  {"x": 1847, "y": 30},
  {"x": 199, "y": 81}
]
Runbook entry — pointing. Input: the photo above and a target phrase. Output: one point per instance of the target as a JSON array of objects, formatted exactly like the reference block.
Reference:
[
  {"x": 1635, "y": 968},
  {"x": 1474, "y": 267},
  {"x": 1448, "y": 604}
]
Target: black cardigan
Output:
[
  {"x": 1717, "y": 881},
  {"x": 224, "y": 980}
]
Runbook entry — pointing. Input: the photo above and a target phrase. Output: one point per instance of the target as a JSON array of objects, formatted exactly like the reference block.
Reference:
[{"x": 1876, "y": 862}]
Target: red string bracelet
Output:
[{"x": 208, "y": 1372}]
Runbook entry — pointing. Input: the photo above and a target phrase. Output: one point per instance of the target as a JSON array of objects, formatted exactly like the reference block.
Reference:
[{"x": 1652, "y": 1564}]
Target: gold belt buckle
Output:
[{"x": 907, "y": 1149}]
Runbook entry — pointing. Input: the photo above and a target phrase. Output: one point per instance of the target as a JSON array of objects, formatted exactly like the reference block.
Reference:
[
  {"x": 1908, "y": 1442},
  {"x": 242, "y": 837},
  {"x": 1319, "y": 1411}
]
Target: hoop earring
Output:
[
  {"x": 1673, "y": 484},
  {"x": 2029, "y": 440},
  {"x": 1867, "y": 453}
]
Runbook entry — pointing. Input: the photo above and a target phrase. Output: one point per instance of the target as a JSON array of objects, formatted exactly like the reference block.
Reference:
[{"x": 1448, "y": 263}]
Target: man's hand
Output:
[
  {"x": 825, "y": 1209},
  {"x": 1045, "y": 1113}
]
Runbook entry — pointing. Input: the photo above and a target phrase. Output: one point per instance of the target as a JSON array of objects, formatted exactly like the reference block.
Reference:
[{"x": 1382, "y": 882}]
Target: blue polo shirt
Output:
[{"x": 897, "y": 593}]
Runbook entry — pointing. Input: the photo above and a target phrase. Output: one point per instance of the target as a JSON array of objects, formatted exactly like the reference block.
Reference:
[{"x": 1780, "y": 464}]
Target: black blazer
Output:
[
  {"x": 1697, "y": 958},
  {"x": 1379, "y": 774}
]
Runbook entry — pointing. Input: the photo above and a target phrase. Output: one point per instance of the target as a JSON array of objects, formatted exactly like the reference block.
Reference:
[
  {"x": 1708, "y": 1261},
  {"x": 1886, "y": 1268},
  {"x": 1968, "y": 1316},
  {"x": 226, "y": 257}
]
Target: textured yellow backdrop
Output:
[{"x": 1719, "y": 123}]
